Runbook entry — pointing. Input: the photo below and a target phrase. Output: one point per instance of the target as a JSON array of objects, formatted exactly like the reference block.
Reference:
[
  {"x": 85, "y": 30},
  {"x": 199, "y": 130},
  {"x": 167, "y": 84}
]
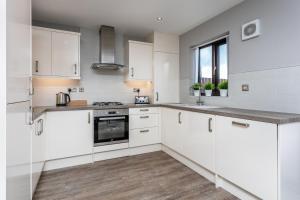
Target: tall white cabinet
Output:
[
  {"x": 55, "y": 53},
  {"x": 18, "y": 100},
  {"x": 165, "y": 67}
]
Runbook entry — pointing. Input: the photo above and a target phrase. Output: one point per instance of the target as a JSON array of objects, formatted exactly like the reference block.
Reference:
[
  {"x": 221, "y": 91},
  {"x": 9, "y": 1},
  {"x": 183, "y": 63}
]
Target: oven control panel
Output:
[{"x": 111, "y": 112}]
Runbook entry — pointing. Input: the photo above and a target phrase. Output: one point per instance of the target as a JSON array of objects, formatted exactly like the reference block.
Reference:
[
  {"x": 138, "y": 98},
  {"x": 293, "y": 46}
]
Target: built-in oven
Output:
[{"x": 110, "y": 126}]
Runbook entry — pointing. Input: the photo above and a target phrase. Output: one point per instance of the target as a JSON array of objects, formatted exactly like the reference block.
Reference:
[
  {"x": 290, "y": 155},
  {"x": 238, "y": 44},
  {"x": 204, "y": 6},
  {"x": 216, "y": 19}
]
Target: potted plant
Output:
[
  {"x": 196, "y": 87},
  {"x": 208, "y": 88},
  {"x": 223, "y": 87}
]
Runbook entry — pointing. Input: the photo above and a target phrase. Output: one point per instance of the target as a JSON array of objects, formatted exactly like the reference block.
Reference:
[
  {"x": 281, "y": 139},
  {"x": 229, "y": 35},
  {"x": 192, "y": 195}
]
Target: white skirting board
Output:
[
  {"x": 126, "y": 152},
  {"x": 80, "y": 160},
  {"x": 68, "y": 162},
  {"x": 85, "y": 159},
  {"x": 220, "y": 182}
]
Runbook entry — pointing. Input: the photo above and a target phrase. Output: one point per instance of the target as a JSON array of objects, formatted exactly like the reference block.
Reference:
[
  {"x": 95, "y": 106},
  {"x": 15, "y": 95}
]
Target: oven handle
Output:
[{"x": 110, "y": 118}]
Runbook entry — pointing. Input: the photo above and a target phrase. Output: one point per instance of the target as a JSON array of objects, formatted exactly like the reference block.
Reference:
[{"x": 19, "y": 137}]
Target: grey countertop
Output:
[{"x": 255, "y": 115}]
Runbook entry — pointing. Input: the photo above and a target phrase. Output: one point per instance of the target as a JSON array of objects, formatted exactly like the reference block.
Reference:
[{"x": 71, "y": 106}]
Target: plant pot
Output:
[
  {"x": 223, "y": 93},
  {"x": 196, "y": 93},
  {"x": 208, "y": 93}
]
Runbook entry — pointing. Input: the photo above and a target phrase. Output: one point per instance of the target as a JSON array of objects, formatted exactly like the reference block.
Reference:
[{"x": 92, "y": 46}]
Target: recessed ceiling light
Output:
[{"x": 159, "y": 19}]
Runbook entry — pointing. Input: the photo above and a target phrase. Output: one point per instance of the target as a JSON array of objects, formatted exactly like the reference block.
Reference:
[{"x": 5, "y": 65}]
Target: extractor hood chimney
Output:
[{"x": 107, "y": 50}]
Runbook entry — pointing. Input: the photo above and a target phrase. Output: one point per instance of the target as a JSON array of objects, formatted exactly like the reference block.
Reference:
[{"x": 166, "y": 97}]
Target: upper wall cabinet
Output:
[
  {"x": 55, "y": 53},
  {"x": 166, "y": 43},
  {"x": 140, "y": 61}
]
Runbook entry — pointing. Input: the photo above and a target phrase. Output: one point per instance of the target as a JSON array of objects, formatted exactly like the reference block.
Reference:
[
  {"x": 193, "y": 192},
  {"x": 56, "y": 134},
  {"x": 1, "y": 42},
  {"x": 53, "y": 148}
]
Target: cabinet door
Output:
[
  {"x": 18, "y": 150},
  {"x": 140, "y": 61},
  {"x": 144, "y": 136},
  {"x": 65, "y": 54},
  {"x": 173, "y": 127},
  {"x": 199, "y": 139},
  {"x": 41, "y": 52},
  {"x": 143, "y": 121},
  {"x": 69, "y": 133},
  {"x": 246, "y": 155},
  {"x": 166, "y": 77},
  {"x": 38, "y": 150}
]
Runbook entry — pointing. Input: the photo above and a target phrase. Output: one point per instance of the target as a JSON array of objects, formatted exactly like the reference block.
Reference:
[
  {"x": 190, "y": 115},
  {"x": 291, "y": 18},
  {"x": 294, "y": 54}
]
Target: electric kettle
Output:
[{"x": 62, "y": 99}]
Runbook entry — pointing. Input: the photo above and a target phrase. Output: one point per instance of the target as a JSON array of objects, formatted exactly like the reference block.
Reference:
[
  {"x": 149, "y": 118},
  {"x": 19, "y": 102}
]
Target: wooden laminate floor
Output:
[{"x": 152, "y": 176}]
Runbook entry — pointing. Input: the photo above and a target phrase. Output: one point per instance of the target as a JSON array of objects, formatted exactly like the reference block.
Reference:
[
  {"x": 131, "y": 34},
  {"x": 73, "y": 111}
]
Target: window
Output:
[{"x": 211, "y": 62}]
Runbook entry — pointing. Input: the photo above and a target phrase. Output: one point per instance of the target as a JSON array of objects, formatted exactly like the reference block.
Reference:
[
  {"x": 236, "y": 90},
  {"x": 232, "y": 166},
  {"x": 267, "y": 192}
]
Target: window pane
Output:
[
  {"x": 206, "y": 64},
  {"x": 223, "y": 62}
]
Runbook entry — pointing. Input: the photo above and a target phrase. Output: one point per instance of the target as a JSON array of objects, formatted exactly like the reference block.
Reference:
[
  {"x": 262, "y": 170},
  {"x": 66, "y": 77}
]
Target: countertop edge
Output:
[{"x": 38, "y": 111}]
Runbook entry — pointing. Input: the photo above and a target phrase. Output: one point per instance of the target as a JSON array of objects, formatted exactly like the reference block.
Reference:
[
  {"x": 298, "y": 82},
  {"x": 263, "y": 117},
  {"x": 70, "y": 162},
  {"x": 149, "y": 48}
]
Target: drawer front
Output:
[
  {"x": 143, "y": 110},
  {"x": 246, "y": 154},
  {"x": 145, "y": 136},
  {"x": 143, "y": 121}
]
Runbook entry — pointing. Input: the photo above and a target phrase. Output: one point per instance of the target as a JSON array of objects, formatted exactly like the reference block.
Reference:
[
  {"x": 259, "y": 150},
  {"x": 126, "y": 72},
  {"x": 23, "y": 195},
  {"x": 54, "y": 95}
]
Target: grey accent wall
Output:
[
  {"x": 98, "y": 86},
  {"x": 270, "y": 64}
]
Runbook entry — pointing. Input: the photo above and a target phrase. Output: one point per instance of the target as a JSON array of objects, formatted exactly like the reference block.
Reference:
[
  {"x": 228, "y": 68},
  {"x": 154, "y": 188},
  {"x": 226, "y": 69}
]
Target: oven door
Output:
[{"x": 110, "y": 130}]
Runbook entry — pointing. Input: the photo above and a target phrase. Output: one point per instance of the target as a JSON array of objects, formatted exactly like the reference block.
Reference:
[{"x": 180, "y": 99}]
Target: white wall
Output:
[
  {"x": 99, "y": 86},
  {"x": 270, "y": 64},
  {"x": 3, "y": 99}
]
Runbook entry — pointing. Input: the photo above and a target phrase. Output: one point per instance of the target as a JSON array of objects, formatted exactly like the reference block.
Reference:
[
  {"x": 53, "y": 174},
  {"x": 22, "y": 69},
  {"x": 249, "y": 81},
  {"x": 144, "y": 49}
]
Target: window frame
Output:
[{"x": 215, "y": 65}]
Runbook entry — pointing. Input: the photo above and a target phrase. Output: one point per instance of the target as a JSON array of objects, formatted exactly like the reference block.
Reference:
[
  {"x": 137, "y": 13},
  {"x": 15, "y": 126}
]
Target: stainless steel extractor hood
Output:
[{"x": 107, "y": 50}]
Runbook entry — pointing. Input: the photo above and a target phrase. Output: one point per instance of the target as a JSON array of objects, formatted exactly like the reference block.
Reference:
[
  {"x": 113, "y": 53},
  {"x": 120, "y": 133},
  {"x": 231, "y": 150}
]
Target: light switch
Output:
[{"x": 245, "y": 88}]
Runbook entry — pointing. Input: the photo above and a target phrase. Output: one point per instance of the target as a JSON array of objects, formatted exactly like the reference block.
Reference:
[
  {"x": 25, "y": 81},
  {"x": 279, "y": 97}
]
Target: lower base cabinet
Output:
[
  {"x": 69, "y": 133},
  {"x": 145, "y": 136},
  {"x": 246, "y": 155},
  {"x": 199, "y": 139},
  {"x": 190, "y": 134},
  {"x": 144, "y": 126}
]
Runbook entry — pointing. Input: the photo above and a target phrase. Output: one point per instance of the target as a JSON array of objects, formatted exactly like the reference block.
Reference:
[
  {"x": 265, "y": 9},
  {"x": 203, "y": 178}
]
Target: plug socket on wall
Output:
[{"x": 245, "y": 87}]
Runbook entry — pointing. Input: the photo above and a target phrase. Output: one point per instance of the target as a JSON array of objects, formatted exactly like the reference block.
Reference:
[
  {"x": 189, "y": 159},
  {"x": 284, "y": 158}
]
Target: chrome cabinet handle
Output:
[
  {"x": 75, "y": 67},
  {"x": 144, "y": 117},
  {"x": 157, "y": 96},
  {"x": 89, "y": 118},
  {"x": 179, "y": 118},
  {"x": 144, "y": 131},
  {"x": 41, "y": 127},
  {"x": 132, "y": 72},
  {"x": 209, "y": 125},
  {"x": 144, "y": 110},
  {"x": 239, "y": 124},
  {"x": 29, "y": 117},
  {"x": 36, "y": 66}
]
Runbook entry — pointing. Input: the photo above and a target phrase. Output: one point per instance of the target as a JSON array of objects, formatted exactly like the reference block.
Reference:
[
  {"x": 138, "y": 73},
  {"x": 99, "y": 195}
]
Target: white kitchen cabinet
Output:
[
  {"x": 144, "y": 136},
  {"x": 55, "y": 53},
  {"x": 144, "y": 126},
  {"x": 246, "y": 155},
  {"x": 142, "y": 121},
  {"x": 199, "y": 139},
  {"x": 140, "y": 61},
  {"x": 163, "y": 42},
  {"x": 166, "y": 77},
  {"x": 69, "y": 133},
  {"x": 38, "y": 150},
  {"x": 41, "y": 52},
  {"x": 65, "y": 54},
  {"x": 174, "y": 126}
]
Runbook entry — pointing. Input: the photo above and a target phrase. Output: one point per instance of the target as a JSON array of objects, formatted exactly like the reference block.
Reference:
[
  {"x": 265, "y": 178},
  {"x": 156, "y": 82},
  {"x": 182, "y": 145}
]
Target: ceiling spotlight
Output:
[{"x": 159, "y": 19}]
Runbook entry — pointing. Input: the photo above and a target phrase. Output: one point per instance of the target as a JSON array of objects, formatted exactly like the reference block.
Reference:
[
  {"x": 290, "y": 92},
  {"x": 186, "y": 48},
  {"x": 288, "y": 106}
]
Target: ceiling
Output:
[{"x": 131, "y": 17}]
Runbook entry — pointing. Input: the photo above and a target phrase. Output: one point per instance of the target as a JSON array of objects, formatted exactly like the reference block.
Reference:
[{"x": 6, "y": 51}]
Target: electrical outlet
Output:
[
  {"x": 245, "y": 88},
  {"x": 74, "y": 90},
  {"x": 81, "y": 89},
  {"x": 136, "y": 90}
]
